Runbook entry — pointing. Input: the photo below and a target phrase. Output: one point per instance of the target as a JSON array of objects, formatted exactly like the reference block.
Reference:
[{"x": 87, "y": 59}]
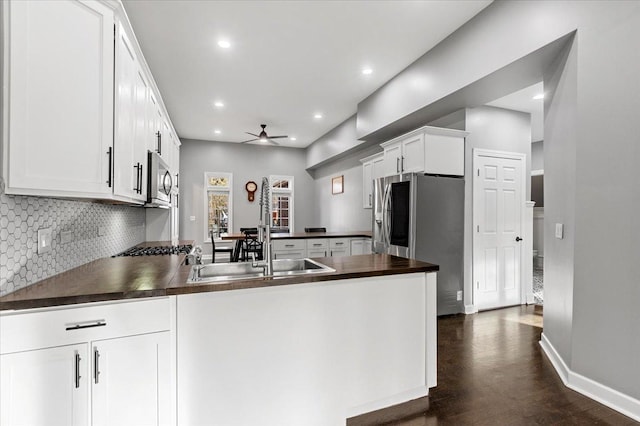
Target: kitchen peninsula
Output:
[{"x": 297, "y": 350}]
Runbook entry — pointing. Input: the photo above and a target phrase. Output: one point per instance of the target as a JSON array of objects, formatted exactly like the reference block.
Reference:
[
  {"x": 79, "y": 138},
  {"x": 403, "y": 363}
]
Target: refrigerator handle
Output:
[{"x": 386, "y": 215}]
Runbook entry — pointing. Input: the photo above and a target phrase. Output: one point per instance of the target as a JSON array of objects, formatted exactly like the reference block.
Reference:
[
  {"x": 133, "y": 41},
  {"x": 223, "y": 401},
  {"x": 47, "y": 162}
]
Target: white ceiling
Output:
[{"x": 288, "y": 59}]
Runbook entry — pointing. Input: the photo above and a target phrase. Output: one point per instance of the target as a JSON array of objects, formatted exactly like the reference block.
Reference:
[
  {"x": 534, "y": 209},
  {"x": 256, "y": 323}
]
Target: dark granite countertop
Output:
[{"x": 118, "y": 278}]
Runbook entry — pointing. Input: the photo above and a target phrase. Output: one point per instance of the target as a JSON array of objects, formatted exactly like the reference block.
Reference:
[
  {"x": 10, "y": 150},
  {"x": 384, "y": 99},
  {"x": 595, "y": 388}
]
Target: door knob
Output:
[{"x": 518, "y": 239}]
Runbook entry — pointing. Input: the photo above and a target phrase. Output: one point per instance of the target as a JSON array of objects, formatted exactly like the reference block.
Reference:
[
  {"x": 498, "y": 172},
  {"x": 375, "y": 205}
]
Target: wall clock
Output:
[{"x": 251, "y": 187}]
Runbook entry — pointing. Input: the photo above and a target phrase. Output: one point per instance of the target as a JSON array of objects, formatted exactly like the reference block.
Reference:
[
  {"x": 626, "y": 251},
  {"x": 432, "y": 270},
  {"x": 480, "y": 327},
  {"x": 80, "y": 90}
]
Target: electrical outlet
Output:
[
  {"x": 192, "y": 218},
  {"x": 44, "y": 240},
  {"x": 559, "y": 231},
  {"x": 459, "y": 295},
  {"x": 66, "y": 237}
]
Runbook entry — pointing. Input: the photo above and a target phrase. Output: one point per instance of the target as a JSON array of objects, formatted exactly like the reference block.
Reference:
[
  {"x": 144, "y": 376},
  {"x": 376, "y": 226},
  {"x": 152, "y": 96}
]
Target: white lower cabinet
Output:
[
  {"x": 98, "y": 364},
  {"x": 317, "y": 247},
  {"x": 45, "y": 387},
  {"x": 130, "y": 380},
  {"x": 289, "y": 249},
  {"x": 360, "y": 246},
  {"x": 339, "y": 247}
]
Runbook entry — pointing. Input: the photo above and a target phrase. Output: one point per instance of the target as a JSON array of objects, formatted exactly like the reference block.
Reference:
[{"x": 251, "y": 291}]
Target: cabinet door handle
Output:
[
  {"x": 369, "y": 199},
  {"x": 402, "y": 164},
  {"x": 177, "y": 181},
  {"x": 325, "y": 253},
  {"x": 96, "y": 365},
  {"x": 110, "y": 154},
  {"x": 140, "y": 171},
  {"x": 159, "y": 135},
  {"x": 398, "y": 165},
  {"x": 137, "y": 167},
  {"x": 77, "y": 370}
]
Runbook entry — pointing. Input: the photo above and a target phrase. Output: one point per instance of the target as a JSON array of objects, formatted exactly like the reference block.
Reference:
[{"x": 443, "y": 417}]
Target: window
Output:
[
  {"x": 282, "y": 202},
  {"x": 218, "y": 203}
]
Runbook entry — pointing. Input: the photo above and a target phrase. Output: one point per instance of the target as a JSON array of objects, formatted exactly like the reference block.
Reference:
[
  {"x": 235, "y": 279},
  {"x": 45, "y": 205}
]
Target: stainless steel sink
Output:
[{"x": 214, "y": 272}]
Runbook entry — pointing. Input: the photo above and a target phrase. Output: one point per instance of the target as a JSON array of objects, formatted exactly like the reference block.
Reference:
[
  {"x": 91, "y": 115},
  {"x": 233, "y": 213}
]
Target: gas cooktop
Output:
[{"x": 156, "y": 251}]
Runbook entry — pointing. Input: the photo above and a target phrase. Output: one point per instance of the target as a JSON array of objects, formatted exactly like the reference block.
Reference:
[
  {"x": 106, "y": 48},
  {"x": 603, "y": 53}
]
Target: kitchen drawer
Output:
[
  {"x": 42, "y": 328},
  {"x": 289, "y": 244},
  {"x": 317, "y": 244},
  {"x": 289, "y": 254},
  {"x": 339, "y": 243}
]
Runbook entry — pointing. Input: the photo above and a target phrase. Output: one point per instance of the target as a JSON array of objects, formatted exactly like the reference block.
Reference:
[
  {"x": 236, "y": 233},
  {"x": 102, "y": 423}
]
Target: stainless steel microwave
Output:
[{"x": 159, "y": 182}]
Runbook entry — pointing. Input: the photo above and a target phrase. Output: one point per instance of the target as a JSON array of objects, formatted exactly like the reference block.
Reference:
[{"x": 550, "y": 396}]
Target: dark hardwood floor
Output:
[{"x": 492, "y": 371}]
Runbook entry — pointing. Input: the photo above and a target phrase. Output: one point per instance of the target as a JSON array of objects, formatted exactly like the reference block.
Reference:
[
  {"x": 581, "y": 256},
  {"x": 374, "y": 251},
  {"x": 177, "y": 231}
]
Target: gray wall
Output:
[
  {"x": 537, "y": 154},
  {"x": 343, "y": 212},
  {"x": 591, "y": 157},
  {"x": 335, "y": 143},
  {"x": 495, "y": 129},
  {"x": 246, "y": 162}
]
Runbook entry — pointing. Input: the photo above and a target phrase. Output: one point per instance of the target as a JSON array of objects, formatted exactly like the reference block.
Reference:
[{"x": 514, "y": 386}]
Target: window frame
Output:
[
  {"x": 220, "y": 189},
  {"x": 284, "y": 191}
]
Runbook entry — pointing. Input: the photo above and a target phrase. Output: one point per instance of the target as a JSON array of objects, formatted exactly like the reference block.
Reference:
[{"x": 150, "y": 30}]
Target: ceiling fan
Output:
[{"x": 263, "y": 137}]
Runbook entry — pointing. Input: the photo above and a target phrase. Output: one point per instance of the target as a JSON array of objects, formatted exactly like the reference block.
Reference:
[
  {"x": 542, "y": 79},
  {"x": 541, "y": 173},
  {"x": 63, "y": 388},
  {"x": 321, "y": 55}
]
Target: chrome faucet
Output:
[{"x": 264, "y": 230}]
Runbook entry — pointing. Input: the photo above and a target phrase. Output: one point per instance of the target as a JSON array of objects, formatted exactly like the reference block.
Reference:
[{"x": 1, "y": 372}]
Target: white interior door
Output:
[{"x": 498, "y": 196}]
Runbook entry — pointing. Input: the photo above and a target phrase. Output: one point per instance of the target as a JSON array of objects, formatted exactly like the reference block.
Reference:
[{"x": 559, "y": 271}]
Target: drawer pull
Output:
[
  {"x": 339, "y": 244},
  {"x": 289, "y": 245},
  {"x": 88, "y": 324},
  {"x": 317, "y": 245}
]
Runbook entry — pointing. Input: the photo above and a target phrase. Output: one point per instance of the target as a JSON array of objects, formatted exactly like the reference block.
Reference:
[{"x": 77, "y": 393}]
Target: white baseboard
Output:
[
  {"x": 470, "y": 309},
  {"x": 405, "y": 396},
  {"x": 597, "y": 391}
]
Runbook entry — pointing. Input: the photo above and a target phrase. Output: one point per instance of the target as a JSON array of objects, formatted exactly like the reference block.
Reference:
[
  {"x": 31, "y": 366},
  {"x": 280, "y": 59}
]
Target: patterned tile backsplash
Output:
[{"x": 21, "y": 217}]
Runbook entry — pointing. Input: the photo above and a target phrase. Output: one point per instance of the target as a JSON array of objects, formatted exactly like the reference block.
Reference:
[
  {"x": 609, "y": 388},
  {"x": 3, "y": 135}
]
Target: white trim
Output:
[
  {"x": 470, "y": 309},
  {"x": 590, "y": 388},
  {"x": 390, "y": 401},
  {"x": 479, "y": 152},
  {"x": 284, "y": 191},
  {"x": 539, "y": 172},
  {"x": 205, "y": 194}
]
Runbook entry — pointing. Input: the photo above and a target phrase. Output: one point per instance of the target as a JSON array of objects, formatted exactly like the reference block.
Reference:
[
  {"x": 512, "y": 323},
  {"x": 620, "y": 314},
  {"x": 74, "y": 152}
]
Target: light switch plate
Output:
[
  {"x": 559, "y": 231},
  {"x": 44, "y": 240},
  {"x": 459, "y": 295},
  {"x": 192, "y": 218}
]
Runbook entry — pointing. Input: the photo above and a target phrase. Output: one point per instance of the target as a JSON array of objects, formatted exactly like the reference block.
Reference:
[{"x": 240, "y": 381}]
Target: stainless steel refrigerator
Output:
[{"x": 422, "y": 217}]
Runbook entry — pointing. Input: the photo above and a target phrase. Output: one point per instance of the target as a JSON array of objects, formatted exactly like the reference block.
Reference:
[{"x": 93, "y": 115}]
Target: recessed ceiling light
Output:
[
  {"x": 367, "y": 71},
  {"x": 539, "y": 96},
  {"x": 225, "y": 44},
  {"x": 218, "y": 104},
  {"x": 293, "y": 138},
  {"x": 317, "y": 116},
  {"x": 217, "y": 131}
]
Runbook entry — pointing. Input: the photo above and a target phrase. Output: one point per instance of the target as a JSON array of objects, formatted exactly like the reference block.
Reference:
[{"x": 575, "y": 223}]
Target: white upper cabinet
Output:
[
  {"x": 404, "y": 155},
  {"x": 444, "y": 151},
  {"x": 372, "y": 168},
  {"x": 429, "y": 150},
  {"x": 131, "y": 124},
  {"x": 58, "y": 82},
  {"x": 77, "y": 94}
]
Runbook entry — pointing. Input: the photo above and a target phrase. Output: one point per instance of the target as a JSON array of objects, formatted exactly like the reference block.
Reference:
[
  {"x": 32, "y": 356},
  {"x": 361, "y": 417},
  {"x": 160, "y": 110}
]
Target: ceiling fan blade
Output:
[
  {"x": 250, "y": 140},
  {"x": 273, "y": 142},
  {"x": 278, "y": 137},
  {"x": 252, "y": 134}
]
